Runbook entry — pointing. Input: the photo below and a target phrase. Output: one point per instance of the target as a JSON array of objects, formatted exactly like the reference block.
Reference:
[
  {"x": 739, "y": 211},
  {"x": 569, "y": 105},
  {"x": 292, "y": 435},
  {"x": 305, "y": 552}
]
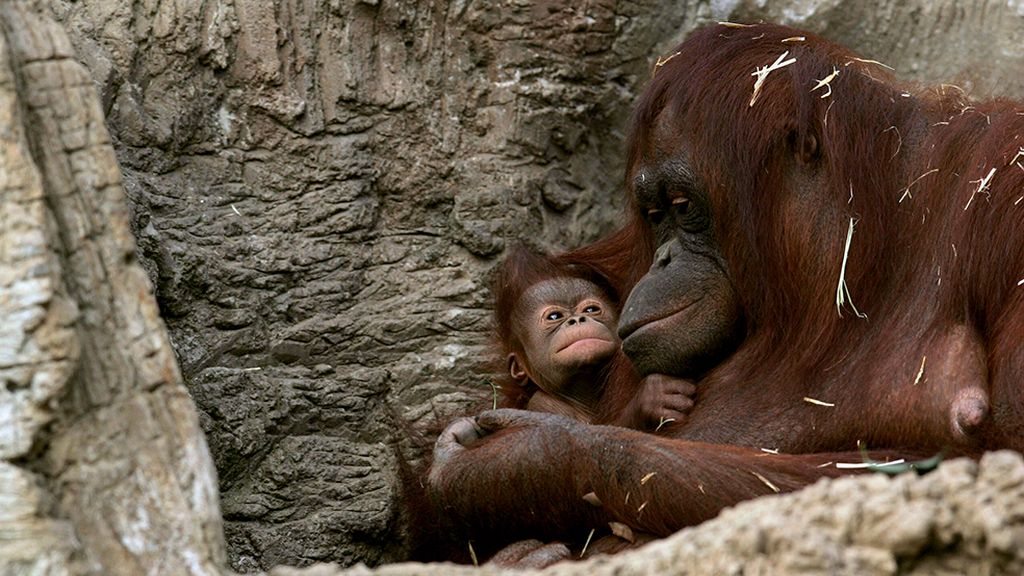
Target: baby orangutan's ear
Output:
[{"x": 516, "y": 369}]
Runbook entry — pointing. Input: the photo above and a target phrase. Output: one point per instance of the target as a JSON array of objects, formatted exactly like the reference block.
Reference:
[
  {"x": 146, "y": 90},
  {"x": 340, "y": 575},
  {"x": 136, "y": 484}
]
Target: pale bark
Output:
[{"x": 104, "y": 468}]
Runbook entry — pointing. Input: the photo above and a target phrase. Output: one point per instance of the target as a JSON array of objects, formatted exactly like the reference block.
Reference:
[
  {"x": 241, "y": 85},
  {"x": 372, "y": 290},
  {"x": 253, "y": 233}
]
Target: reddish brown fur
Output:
[
  {"x": 878, "y": 141},
  {"x": 621, "y": 258},
  {"x": 782, "y": 231},
  {"x": 613, "y": 264},
  {"x": 522, "y": 269}
]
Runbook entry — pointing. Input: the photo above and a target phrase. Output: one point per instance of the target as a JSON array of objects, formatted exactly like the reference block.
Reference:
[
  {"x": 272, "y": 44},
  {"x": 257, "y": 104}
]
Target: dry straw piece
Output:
[
  {"x": 767, "y": 482},
  {"x": 1018, "y": 155},
  {"x": 622, "y": 531},
  {"x": 856, "y": 465},
  {"x": 587, "y": 543},
  {"x": 920, "y": 372},
  {"x": 662, "y": 60},
  {"x": 899, "y": 140},
  {"x": 982, "y": 187},
  {"x": 663, "y": 421},
  {"x": 843, "y": 291},
  {"x": 762, "y": 74},
  {"x": 906, "y": 191},
  {"x": 866, "y": 61},
  {"x": 827, "y": 82}
]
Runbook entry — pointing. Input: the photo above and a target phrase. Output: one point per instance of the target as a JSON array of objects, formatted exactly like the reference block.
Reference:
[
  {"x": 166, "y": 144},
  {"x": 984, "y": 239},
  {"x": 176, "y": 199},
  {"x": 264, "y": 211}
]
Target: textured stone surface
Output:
[
  {"x": 318, "y": 189},
  {"x": 103, "y": 467},
  {"x": 977, "y": 44}
]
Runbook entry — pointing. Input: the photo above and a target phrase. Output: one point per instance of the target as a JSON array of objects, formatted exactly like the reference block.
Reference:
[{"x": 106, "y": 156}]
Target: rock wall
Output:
[{"x": 319, "y": 189}]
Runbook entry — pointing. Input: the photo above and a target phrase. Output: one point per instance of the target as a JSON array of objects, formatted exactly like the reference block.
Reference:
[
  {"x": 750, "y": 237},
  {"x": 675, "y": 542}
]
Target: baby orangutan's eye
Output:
[
  {"x": 554, "y": 316},
  {"x": 592, "y": 309}
]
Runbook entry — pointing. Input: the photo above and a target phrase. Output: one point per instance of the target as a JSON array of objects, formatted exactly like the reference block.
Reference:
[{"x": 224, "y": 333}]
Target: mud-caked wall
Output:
[{"x": 318, "y": 189}]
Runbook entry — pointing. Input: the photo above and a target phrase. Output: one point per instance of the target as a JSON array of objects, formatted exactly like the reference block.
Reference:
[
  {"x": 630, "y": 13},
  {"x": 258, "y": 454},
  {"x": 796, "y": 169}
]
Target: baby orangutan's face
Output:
[{"x": 566, "y": 325}]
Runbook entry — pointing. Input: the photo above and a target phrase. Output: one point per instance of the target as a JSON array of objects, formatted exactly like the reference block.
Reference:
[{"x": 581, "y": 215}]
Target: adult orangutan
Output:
[{"x": 839, "y": 260}]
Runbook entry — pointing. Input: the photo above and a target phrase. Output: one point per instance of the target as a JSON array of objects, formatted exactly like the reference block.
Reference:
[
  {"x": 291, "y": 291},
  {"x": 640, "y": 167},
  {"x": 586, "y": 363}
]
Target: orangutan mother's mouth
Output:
[{"x": 638, "y": 327}]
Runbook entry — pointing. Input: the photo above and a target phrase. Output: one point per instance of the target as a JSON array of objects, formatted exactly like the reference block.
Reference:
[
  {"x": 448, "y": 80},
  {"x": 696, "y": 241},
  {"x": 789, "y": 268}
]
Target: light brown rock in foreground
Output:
[{"x": 964, "y": 518}]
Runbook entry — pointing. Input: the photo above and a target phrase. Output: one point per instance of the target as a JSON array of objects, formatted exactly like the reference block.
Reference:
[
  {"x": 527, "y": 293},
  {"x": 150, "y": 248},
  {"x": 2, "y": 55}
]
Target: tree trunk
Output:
[{"x": 103, "y": 467}]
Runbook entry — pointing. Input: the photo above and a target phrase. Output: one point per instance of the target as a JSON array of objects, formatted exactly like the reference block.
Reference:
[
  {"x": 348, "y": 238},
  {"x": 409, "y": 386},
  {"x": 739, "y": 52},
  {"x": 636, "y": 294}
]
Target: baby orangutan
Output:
[
  {"x": 557, "y": 326},
  {"x": 557, "y": 330},
  {"x": 567, "y": 328}
]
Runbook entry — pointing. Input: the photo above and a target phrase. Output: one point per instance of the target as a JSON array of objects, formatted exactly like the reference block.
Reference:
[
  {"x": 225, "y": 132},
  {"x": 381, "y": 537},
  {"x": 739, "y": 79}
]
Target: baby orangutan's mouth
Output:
[{"x": 584, "y": 341}]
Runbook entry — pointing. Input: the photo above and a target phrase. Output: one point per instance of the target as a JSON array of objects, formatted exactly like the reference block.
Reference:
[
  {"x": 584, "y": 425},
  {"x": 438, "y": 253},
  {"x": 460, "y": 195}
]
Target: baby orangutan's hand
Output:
[{"x": 664, "y": 400}]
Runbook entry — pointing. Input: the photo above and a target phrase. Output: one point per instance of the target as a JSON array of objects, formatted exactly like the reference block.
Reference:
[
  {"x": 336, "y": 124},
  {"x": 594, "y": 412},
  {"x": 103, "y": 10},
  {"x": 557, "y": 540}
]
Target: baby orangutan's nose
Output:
[{"x": 580, "y": 319}]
